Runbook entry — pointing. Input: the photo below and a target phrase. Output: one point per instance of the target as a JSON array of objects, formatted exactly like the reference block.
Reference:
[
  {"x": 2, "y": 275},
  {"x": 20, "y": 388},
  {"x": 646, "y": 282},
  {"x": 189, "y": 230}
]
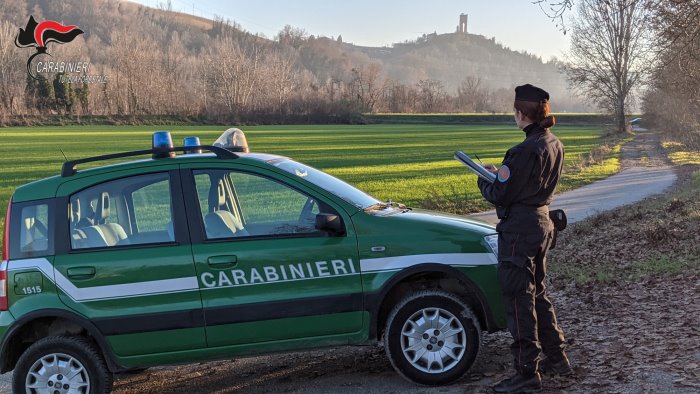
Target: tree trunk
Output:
[{"x": 620, "y": 115}]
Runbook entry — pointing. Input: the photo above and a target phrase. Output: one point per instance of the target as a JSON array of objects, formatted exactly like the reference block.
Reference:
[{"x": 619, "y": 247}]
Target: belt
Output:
[
  {"x": 504, "y": 212},
  {"x": 528, "y": 208}
]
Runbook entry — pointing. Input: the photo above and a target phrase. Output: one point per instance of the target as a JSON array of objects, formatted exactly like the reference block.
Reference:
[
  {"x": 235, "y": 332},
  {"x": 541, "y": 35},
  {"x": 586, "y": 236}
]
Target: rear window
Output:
[{"x": 31, "y": 229}]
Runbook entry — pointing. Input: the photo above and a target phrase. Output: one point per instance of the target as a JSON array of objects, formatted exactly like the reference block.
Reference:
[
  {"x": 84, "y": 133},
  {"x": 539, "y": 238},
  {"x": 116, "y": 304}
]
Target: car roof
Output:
[{"x": 46, "y": 188}]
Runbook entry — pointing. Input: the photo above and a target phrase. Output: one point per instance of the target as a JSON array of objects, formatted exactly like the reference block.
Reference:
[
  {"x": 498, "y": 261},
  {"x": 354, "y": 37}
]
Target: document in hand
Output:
[{"x": 476, "y": 168}]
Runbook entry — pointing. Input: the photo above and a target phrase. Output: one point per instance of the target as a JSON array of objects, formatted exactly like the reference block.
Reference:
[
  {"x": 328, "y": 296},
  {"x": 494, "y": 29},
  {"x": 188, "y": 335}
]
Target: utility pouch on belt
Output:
[{"x": 558, "y": 217}]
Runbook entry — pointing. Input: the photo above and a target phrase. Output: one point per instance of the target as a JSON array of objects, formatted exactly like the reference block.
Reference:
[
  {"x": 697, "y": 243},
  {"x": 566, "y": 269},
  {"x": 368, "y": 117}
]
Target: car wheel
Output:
[
  {"x": 432, "y": 337},
  {"x": 61, "y": 365}
]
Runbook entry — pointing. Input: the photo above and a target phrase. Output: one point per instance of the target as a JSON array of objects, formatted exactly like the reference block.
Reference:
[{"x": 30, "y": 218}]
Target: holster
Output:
[{"x": 558, "y": 217}]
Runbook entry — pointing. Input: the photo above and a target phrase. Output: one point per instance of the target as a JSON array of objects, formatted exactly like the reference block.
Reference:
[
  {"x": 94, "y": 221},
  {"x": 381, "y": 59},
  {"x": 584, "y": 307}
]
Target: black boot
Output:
[
  {"x": 560, "y": 367},
  {"x": 519, "y": 384}
]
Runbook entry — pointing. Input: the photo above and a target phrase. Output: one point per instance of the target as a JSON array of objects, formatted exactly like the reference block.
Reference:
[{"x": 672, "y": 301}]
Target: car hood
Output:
[
  {"x": 447, "y": 219},
  {"x": 430, "y": 220},
  {"x": 419, "y": 232}
]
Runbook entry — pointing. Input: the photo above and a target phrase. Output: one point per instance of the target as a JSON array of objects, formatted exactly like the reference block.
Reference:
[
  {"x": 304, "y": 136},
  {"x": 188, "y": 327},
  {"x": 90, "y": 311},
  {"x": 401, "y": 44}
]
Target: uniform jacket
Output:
[{"x": 526, "y": 181}]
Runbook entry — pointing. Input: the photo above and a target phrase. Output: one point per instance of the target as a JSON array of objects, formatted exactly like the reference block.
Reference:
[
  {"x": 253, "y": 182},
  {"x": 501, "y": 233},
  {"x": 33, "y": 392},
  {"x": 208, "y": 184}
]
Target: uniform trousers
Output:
[{"x": 532, "y": 322}]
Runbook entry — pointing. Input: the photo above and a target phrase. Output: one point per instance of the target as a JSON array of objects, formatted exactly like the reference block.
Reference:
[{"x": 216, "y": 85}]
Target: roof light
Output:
[
  {"x": 191, "y": 141},
  {"x": 234, "y": 140},
  {"x": 162, "y": 145}
]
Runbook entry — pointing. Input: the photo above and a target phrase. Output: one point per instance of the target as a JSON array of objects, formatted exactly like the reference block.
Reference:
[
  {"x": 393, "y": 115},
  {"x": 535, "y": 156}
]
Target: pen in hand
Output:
[{"x": 489, "y": 167}]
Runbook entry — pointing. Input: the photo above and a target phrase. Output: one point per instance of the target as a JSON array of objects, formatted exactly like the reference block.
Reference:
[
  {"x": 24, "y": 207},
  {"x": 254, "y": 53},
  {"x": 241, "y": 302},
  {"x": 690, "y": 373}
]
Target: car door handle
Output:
[
  {"x": 226, "y": 260},
  {"x": 81, "y": 272}
]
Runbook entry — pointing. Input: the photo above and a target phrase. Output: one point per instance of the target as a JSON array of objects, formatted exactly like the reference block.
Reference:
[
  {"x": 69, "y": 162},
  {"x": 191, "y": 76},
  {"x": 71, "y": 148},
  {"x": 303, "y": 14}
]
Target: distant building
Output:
[{"x": 462, "y": 27}]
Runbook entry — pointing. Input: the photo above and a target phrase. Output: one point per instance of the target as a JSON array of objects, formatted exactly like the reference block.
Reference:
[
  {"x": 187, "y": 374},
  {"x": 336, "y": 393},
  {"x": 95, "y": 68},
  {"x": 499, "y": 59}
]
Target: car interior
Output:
[
  {"x": 113, "y": 216},
  {"x": 220, "y": 222}
]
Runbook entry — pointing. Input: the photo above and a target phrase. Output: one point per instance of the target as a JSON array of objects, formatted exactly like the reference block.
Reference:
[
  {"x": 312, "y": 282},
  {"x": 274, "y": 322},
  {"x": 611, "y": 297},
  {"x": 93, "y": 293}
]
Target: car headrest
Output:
[
  {"x": 103, "y": 207},
  {"x": 221, "y": 191},
  {"x": 74, "y": 211}
]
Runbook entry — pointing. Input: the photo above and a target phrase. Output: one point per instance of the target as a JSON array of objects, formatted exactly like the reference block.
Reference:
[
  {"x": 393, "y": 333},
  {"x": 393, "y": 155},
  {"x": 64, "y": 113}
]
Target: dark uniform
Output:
[{"x": 524, "y": 187}]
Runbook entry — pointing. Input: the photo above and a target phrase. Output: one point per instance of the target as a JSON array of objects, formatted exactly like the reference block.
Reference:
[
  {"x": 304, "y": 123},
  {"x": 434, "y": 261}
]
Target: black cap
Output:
[{"x": 530, "y": 93}]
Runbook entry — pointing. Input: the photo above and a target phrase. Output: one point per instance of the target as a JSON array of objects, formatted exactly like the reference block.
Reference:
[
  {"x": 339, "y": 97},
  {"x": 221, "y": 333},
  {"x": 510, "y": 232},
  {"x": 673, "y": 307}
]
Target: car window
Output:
[
  {"x": 149, "y": 206},
  {"x": 128, "y": 211},
  {"x": 34, "y": 224},
  {"x": 236, "y": 204},
  {"x": 328, "y": 182}
]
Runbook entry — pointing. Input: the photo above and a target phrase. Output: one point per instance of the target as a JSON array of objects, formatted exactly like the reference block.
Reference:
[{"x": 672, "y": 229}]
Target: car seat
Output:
[
  {"x": 113, "y": 232},
  {"x": 220, "y": 222}
]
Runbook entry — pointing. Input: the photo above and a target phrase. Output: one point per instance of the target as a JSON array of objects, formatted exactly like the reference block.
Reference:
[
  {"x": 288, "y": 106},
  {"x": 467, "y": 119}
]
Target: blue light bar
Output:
[
  {"x": 162, "y": 144},
  {"x": 191, "y": 141}
]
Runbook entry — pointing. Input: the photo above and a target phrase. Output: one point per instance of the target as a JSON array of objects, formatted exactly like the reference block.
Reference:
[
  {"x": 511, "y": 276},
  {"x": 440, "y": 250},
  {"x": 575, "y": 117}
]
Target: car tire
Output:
[
  {"x": 432, "y": 337},
  {"x": 73, "y": 355}
]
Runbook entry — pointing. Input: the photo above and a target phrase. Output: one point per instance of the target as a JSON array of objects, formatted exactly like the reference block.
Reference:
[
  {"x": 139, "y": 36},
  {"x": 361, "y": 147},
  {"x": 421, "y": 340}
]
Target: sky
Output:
[{"x": 517, "y": 24}]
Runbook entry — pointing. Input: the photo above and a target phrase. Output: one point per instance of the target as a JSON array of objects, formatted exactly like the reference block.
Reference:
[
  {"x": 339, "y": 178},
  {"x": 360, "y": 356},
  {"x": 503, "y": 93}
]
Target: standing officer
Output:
[{"x": 521, "y": 192}]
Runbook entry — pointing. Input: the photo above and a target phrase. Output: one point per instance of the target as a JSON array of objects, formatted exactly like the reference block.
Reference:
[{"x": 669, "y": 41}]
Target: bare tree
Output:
[
  {"x": 14, "y": 11},
  {"x": 432, "y": 95},
  {"x": 610, "y": 52},
  {"x": 12, "y": 74},
  {"x": 555, "y": 10},
  {"x": 282, "y": 78},
  {"x": 172, "y": 73},
  {"x": 367, "y": 86},
  {"x": 400, "y": 98},
  {"x": 472, "y": 96},
  {"x": 232, "y": 73},
  {"x": 292, "y": 36},
  {"x": 673, "y": 100}
]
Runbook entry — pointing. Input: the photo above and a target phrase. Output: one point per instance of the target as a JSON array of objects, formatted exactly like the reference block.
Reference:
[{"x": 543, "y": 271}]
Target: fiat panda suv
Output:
[{"x": 216, "y": 253}]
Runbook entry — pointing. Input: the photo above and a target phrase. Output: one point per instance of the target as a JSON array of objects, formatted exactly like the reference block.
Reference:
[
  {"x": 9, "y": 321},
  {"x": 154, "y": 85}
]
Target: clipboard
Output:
[{"x": 479, "y": 170}]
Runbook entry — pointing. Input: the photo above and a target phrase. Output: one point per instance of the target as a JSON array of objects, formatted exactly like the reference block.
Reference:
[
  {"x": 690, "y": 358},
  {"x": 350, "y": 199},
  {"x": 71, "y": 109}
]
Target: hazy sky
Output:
[{"x": 517, "y": 24}]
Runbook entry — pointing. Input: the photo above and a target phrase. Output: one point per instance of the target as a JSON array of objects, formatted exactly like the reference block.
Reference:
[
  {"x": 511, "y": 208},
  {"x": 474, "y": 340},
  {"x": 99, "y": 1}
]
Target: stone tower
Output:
[{"x": 462, "y": 27}]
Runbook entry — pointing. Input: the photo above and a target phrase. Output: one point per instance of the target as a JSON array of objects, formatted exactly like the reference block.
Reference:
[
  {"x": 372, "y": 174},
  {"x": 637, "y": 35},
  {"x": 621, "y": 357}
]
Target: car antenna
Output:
[{"x": 64, "y": 155}]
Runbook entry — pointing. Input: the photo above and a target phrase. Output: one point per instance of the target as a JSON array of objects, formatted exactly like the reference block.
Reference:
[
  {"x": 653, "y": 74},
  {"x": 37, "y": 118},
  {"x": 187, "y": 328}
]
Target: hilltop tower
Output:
[{"x": 462, "y": 27}]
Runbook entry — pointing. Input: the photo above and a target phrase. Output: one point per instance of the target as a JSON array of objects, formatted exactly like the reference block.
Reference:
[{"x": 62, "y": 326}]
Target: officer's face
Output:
[{"x": 518, "y": 117}]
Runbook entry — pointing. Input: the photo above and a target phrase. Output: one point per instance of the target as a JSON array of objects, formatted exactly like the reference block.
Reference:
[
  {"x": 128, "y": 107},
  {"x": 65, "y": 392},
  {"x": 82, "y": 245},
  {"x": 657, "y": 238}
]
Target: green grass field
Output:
[{"x": 407, "y": 163}]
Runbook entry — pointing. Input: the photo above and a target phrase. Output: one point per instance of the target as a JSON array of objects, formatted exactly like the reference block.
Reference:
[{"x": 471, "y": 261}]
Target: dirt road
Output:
[{"x": 644, "y": 172}]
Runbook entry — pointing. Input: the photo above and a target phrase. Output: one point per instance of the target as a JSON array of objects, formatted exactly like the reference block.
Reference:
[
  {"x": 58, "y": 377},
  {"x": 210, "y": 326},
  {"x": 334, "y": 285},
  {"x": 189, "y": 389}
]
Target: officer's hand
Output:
[{"x": 491, "y": 168}]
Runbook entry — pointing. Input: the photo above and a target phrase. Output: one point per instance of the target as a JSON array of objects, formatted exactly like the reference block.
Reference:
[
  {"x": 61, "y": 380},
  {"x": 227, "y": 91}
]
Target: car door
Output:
[
  {"x": 265, "y": 272},
  {"x": 127, "y": 263}
]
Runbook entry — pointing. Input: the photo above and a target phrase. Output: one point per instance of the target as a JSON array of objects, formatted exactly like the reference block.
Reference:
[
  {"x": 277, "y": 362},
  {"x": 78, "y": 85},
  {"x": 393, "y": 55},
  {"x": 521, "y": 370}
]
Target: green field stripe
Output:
[{"x": 410, "y": 163}]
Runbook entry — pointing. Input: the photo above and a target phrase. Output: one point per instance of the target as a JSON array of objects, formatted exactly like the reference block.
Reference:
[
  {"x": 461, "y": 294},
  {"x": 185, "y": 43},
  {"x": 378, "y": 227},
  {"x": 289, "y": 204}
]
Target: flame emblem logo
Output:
[{"x": 39, "y": 35}]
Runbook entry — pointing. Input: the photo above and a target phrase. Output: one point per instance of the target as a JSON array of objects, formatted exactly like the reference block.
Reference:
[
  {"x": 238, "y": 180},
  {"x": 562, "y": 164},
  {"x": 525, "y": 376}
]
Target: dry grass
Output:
[{"x": 657, "y": 236}]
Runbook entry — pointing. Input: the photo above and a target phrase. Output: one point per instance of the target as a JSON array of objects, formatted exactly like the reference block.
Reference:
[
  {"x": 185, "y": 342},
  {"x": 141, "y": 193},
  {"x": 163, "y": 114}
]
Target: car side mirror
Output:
[{"x": 330, "y": 223}]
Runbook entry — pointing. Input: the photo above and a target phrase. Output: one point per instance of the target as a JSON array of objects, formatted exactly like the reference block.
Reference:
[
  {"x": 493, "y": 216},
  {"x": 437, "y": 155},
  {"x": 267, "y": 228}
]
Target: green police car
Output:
[{"x": 211, "y": 252}]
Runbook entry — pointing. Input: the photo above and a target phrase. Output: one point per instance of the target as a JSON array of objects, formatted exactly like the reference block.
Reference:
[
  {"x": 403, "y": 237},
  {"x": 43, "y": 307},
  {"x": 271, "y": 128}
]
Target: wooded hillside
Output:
[{"x": 159, "y": 62}]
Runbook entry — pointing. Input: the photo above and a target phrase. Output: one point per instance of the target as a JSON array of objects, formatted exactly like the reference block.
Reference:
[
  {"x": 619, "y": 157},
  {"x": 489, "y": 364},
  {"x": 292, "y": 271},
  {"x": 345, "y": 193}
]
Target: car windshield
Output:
[{"x": 334, "y": 185}]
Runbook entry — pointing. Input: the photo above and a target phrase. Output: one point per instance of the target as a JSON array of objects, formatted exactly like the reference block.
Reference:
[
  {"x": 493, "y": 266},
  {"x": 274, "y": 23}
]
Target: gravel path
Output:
[{"x": 645, "y": 172}]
